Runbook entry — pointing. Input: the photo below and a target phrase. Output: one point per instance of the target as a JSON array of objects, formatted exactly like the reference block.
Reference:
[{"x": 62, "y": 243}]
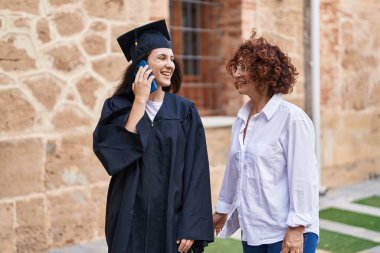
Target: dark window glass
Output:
[{"x": 193, "y": 27}]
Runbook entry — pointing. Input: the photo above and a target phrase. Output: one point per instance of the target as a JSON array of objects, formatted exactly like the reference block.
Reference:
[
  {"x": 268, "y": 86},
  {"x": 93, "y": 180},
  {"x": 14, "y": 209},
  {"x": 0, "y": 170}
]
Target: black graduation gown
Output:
[{"x": 160, "y": 186}]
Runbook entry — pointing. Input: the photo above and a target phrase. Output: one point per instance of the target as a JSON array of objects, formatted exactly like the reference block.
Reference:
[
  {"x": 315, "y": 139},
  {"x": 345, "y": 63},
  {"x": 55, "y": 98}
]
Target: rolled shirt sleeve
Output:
[{"x": 302, "y": 170}]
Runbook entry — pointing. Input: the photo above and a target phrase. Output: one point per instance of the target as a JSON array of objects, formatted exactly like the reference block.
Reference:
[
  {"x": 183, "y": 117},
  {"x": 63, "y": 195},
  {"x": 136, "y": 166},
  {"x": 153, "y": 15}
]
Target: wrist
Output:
[
  {"x": 298, "y": 228},
  {"x": 140, "y": 100}
]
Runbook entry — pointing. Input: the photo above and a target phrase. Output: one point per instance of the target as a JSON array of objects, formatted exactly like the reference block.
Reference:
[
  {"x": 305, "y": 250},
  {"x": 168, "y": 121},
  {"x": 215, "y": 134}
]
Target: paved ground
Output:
[{"x": 340, "y": 198}]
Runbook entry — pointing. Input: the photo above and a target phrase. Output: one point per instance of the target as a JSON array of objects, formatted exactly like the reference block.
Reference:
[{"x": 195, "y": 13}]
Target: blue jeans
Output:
[{"x": 310, "y": 241}]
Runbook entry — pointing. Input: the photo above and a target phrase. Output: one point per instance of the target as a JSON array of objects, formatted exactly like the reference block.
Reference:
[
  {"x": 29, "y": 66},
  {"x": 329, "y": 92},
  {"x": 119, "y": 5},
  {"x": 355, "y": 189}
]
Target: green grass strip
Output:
[
  {"x": 370, "y": 201},
  {"x": 340, "y": 243},
  {"x": 329, "y": 241},
  {"x": 351, "y": 218},
  {"x": 224, "y": 246}
]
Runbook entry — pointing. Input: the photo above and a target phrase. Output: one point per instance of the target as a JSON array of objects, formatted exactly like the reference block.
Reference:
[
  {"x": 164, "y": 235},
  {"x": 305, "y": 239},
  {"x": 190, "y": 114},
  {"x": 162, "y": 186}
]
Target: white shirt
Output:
[
  {"x": 271, "y": 179},
  {"x": 152, "y": 108}
]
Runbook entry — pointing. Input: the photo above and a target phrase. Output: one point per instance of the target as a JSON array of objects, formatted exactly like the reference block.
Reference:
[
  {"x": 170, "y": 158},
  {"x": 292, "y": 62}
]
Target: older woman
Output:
[{"x": 270, "y": 188}]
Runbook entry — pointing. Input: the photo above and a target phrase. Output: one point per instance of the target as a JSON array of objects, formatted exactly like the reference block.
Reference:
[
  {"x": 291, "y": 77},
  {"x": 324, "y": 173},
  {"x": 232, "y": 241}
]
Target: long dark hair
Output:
[{"x": 125, "y": 86}]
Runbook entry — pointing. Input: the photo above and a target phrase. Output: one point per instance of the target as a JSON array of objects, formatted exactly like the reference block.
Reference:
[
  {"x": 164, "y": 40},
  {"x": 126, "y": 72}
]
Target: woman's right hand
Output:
[
  {"x": 141, "y": 86},
  {"x": 219, "y": 219}
]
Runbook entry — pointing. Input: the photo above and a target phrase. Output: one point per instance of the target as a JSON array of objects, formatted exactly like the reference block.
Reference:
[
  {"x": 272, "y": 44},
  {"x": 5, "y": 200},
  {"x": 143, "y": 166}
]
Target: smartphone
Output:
[{"x": 153, "y": 86}]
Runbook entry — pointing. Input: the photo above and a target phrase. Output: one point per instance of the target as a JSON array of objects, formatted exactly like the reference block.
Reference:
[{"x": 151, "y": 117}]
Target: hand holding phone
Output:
[{"x": 153, "y": 86}]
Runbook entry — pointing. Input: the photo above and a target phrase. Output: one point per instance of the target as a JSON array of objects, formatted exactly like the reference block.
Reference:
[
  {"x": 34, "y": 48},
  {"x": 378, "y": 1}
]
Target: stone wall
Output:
[
  {"x": 350, "y": 79},
  {"x": 350, "y": 64},
  {"x": 59, "y": 60},
  {"x": 218, "y": 140}
]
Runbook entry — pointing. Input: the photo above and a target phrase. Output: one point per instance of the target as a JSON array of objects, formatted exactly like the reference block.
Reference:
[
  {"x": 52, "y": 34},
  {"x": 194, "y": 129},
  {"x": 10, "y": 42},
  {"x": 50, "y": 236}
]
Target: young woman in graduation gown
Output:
[{"x": 153, "y": 145}]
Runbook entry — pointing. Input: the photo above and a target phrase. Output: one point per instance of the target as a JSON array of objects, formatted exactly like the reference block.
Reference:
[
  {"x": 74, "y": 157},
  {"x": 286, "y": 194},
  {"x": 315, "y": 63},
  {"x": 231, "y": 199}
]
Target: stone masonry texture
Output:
[{"x": 59, "y": 60}]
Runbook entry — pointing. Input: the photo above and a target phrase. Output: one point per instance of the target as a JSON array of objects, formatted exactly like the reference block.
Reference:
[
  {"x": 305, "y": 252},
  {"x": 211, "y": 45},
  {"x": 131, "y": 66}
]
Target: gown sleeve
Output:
[
  {"x": 116, "y": 147},
  {"x": 196, "y": 216}
]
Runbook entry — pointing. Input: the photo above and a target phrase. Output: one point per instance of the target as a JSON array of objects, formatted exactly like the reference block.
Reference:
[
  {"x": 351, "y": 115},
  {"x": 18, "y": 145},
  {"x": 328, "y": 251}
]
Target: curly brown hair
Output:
[{"x": 267, "y": 65}]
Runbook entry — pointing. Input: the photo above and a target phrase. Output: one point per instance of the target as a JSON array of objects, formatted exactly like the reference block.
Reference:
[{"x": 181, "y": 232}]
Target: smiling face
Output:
[
  {"x": 243, "y": 82},
  {"x": 160, "y": 61}
]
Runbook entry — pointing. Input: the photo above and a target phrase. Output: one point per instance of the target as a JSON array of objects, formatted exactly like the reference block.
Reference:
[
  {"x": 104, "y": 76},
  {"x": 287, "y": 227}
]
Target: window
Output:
[{"x": 195, "y": 37}]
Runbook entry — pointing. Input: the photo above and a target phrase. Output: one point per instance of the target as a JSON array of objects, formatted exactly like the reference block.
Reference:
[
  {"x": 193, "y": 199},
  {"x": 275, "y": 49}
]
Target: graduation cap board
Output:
[{"x": 144, "y": 39}]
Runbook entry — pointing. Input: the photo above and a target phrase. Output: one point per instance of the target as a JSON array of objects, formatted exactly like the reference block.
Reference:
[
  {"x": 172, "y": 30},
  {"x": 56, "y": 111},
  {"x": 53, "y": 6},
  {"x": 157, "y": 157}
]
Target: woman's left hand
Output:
[
  {"x": 184, "y": 245},
  {"x": 293, "y": 240}
]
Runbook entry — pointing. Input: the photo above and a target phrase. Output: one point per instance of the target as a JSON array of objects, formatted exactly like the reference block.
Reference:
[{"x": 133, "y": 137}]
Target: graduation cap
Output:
[{"x": 144, "y": 39}]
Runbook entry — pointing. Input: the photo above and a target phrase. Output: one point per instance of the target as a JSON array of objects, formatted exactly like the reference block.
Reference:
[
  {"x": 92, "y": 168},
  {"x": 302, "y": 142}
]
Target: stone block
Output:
[
  {"x": 351, "y": 173},
  {"x": 94, "y": 44},
  {"x": 16, "y": 112},
  {"x": 98, "y": 26},
  {"x": 297, "y": 99},
  {"x": 350, "y": 147},
  {"x": 330, "y": 28},
  {"x": 43, "y": 30},
  {"x": 65, "y": 57},
  {"x": 111, "y": 67},
  {"x": 6, "y": 80},
  {"x": 375, "y": 41},
  {"x": 286, "y": 44},
  {"x": 218, "y": 144},
  {"x": 58, "y": 3},
  {"x": 216, "y": 180},
  {"x": 88, "y": 88},
  {"x": 375, "y": 120},
  {"x": 356, "y": 122},
  {"x": 329, "y": 120},
  {"x": 298, "y": 62},
  {"x": 347, "y": 137},
  {"x": 41, "y": 83},
  {"x": 374, "y": 94},
  {"x": 355, "y": 96},
  {"x": 113, "y": 10},
  {"x": 30, "y": 6},
  {"x": 71, "y": 216},
  {"x": 330, "y": 93},
  {"x": 138, "y": 11},
  {"x": 7, "y": 235},
  {"x": 118, "y": 30},
  {"x": 374, "y": 143},
  {"x": 69, "y": 23},
  {"x": 374, "y": 136},
  {"x": 22, "y": 23},
  {"x": 287, "y": 22},
  {"x": 31, "y": 227},
  {"x": 330, "y": 53},
  {"x": 231, "y": 102},
  {"x": 70, "y": 117},
  {"x": 347, "y": 33},
  {"x": 327, "y": 147},
  {"x": 352, "y": 59},
  {"x": 71, "y": 161},
  {"x": 158, "y": 9},
  {"x": 99, "y": 197},
  {"x": 275, "y": 4},
  {"x": 21, "y": 167},
  {"x": 14, "y": 53}
]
